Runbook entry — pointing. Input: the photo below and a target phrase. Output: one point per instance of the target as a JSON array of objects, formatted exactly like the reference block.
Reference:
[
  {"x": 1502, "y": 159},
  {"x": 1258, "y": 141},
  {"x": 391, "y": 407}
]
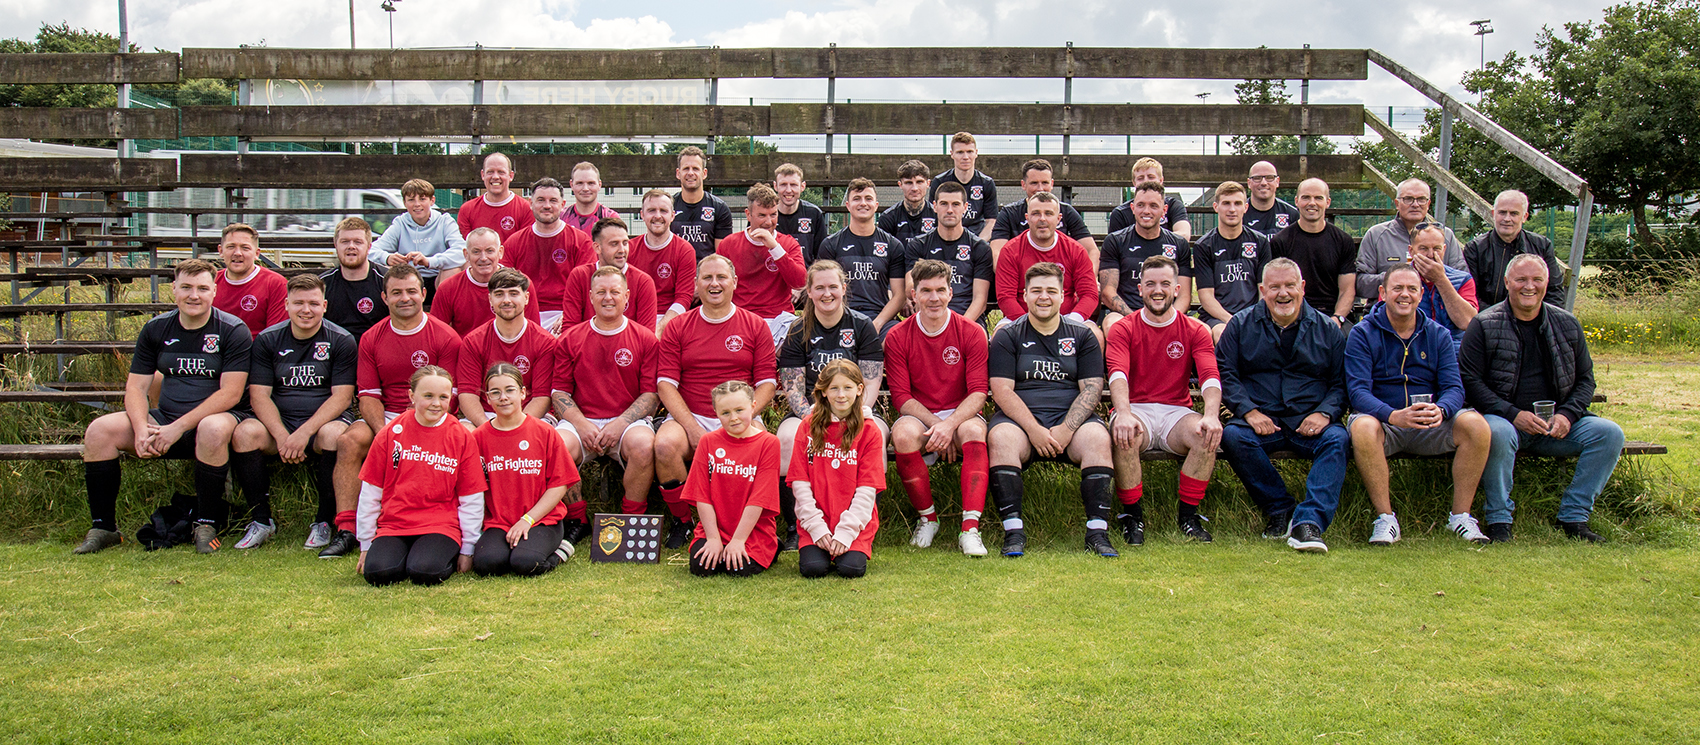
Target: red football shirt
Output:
[
  {"x": 533, "y": 353},
  {"x": 730, "y": 473},
  {"x": 1157, "y": 361},
  {"x": 547, "y": 260},
  {"x": 257, "y": 300},
  {"x": 833, "y": 476},
  {"x": 423, "y": 472},
  {"x": 506, "y": 218},
  {"x": 605, "y": 371},
  {"x": 764, "y": 283},
  {"x": 938, "y": 371},
  {"x": 640, "y": 296},
  {"x": 520, "y": 465},
  {"x": 698, "y": 354},
  {"x": 464, "y": 304},
  {"x": 673, "y": 267},
  {"x": 389, "y": 357},
  {"x": 1080, "y": 280}
]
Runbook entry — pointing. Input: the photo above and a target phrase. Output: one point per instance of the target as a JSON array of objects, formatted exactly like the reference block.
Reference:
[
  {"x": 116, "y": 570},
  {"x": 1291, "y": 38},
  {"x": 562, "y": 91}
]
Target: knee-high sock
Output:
[
  {"x": 1191, "y": 489},
  {"x": 975, "y": 464},
  {"x": 1095, "y": 486},
  {"x": 1132, "y": 496},
  {"x": 250, "y": 471},
  {"x": 673, "y": 493},
  {"x": 326, "y": 469},
  {"x": 1006, "y": 481},
  {"x": 787, "y": 504},
  {"x": 576, "y": 510},
  {"x": 633, "y": 507},
  {"x": 210, "y": 507},
  {"x": 103, "y": 478},
  {"x": 912, "y": 469}
]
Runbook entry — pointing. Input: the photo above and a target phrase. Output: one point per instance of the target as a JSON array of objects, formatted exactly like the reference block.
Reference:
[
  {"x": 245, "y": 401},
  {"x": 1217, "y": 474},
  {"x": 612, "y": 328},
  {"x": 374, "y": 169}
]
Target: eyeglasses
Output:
[
  {"x": 1413, "y": 201},
  {"x": 1262, "y": 178}
]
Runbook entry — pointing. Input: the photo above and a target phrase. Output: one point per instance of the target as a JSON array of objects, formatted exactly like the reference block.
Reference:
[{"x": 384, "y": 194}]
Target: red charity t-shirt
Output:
[
  {"x": 464, "y": 304},
  {"x": 673, "y": 267},
  {"x": 508, "y": 218},
  {"x": 698, "y": 354},
  {"x": 640, "y": 296},
  {"x": 834, "y": 474},
  {"x": 257, "y": 301},
  {"x": 520, "y": 464},
  {"x": 1080, "y": 279},
  {"x": 938, "y": 371},
  {"x": 764, "y": 283},
  {"x": 547, "y": 260},
  {"x": 731, "y": 473},
  {"x": 605, "y": 372},
  {"x": 388, "y": 359},
  {"x": 533, "y": 353},
  {"x": 423, "y": 472},
  {"x": 1157, "y": 361}
]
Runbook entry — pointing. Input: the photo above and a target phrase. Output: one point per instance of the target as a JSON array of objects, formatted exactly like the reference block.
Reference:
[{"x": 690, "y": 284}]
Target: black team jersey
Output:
[
  {"x": 853, "y": 338},
  {"x": 1012, "y": 221},
  {"x": 906, "y": 226},
  {"x": 703, "y": 223},
  {"x": 1122, "y": 217},
  {"x": 1322, "y": 258},
  {"x": 1231, "y": 268},
  {"x": 191, "y": 360},
  {"x": 969, "y": 257},
  {"x": 1126, "y": 250},
  {"x": 300, "y": 372},
  {"x": 807, "y": 225},
  {"x": 1047, "y": 370},
  {"x": 1277, "y": 218},
  {"x": 355, "y": 306},
  {"x": 982, "y": 197},
  {"x": 869, "y": 264}
]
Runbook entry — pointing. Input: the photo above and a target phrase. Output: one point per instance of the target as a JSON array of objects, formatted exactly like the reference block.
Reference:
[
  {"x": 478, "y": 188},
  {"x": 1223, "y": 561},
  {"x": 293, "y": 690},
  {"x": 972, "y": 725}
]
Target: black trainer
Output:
[
  {"x": 680, "y": 533},
  {"x": 1098, "y": 542},
  {"x": 1133, "y": 526},
  {"x": 1277, "y": 525},
  {"x": 1499, "y": 532},
  {"x": 1014, "y": 543},
  {"x": 1192, "y": 527},
  {"x": 788, "y": 541},
  {"x": 575, "y": 531},
  {"x": 1307, "y": 538},
  {"x": 342, "y": 544},
  {"x": 1580, "y": 530}
]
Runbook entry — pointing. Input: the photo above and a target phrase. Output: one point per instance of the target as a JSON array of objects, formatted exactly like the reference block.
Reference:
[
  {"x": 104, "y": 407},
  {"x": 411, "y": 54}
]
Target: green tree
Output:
[{"x": 1271, "y": 92}]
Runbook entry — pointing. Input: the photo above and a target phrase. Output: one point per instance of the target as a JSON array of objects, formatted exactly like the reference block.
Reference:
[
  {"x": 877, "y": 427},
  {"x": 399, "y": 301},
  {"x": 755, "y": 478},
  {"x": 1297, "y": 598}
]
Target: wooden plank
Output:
[
  {"x": 617, "y": 120},
  {"x": 41, "y": 452},
  {"x": 59, "y": 397},
  {"x": 74, "y": 68},
  {"x": 68, "y": 347},
  {"x": 1409, "y": 149},
  {"x": 87, "y": 174},
  {"x": 1057, "y": 119},
  {"x": 88, "y": 124},
  {"x": 327, "y": 121},
  {"x": 484, "y": 64},
  {"x": 32, "y": 309}
]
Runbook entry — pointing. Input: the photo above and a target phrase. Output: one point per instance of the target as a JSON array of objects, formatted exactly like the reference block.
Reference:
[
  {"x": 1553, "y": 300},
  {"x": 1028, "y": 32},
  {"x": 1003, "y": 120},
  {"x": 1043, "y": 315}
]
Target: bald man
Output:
[{"x": 1489, "y": 254}]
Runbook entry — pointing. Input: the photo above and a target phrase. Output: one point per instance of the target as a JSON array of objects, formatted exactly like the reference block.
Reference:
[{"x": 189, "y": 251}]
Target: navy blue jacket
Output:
[
  {"x": 1285, "y": 387},
  {"x": 1383, "y": 370}
]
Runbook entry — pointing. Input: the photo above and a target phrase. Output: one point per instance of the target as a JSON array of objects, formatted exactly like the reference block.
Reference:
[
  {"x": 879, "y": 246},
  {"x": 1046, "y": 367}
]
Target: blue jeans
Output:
[
  {"x": 1595, "y": 442},
  {"x": 1248, "y": 454}
]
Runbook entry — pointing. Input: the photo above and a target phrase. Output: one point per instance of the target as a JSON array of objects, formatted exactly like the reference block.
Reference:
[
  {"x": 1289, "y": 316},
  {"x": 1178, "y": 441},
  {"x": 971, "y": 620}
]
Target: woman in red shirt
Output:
[
  {"x": 421, "y": 496},
  {"x": 837, "y": 470},
  {"x": 529, "y": 471},
  {"x": 734, "y": 482}
]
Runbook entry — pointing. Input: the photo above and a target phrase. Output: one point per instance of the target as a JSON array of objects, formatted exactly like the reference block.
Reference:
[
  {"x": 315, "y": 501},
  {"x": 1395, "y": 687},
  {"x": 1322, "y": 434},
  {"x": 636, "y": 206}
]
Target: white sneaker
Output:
[
  {"x": 924, "y": 532},
  {"x": 970, "y": 542},
  {"x": 319, "y": 536},
  {"x": 258, "y": 533},
  {"x": 1385, "y": 532},
  {"x": 1467, "y": 528}
]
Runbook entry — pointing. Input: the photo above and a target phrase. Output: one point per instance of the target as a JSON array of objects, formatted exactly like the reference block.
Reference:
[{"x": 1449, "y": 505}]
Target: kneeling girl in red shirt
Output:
[
  {"x": 529, "y": 472},
  {"x": 734, "y": 482},
  {"x": 837, "y": 470}
]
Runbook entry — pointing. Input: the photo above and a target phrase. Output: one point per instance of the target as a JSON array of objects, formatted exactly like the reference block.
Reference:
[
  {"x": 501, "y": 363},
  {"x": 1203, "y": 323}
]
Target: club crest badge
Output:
[
  {"x": 523, "y": 363},
  {"x": 420, "y": 358},
  {"x": 846, "y": 338},
  {"x": 507, "y": 223},
  {"x": 964, "y": 253},
  {"x": 249, "y": 303},
  {"x": 560, "y": 256},
  {"x": 1281, "y": 220},
  {"x": 209, "y": 344},
  {"x": 772, "y": 265},
  {"x": 708, "y": 214},
  {"x": 364, "y": 305},
  {"x": 1169, "y": 251},
  {"x": 976, "y": 192},
  {"x": 623, "y": 357},
  {"x": 1175, "y": 350},
  {"x": 805, "y": 224},
  {"x": 734, "y": 343},
  {"x": 664, "y": 271},
  {"x": 1248, "y": 250},
  {"x": 927, "y": 224},
  {"x": 952, "y": 356},
  {"x": 1065, "y": 347},
  {"x": 321, "y": 350},
  {"x": 879, "y": 249}
]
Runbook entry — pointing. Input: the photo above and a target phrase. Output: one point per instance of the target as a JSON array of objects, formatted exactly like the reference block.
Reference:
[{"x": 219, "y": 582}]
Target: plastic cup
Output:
[
  {"x": 1545, "y": 409},
  {"x": 1422, "y": 398}
]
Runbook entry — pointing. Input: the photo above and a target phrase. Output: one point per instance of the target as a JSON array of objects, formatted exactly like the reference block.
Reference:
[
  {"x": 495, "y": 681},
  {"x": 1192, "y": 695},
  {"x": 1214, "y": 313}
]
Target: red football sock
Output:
[
  {"x": 634, "y": 507},
  {"x": 1131, "y": 496},
  {"x": 575, "y": 511},
  {"x": 675, "y": 499},
  {"x": 975, "y": 465},
  {"x": 345, "y": 520},
  {"x": 912, "y": 469},
  {"x": 1192, "y": 490}
]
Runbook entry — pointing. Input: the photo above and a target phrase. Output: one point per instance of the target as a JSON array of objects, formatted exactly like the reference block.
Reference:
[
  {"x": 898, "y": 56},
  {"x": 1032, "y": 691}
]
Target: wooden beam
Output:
[
  {"x": 377, "y": 122},
  {"x": 1381, "y": 181},
  {"x": 1409, "y": 149},
  {"x": 68, "y": 123},
  {"x": 56, "y": 68},
  {"x": 1057, "y": 119},
  {"x": 87, "y": 174}
]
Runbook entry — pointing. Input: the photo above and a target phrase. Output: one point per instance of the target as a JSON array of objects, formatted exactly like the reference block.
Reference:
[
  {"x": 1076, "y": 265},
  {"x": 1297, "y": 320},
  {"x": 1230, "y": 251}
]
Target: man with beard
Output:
[
  {"x": 1012, "y": 218},
  {"x": 668, "y": 259},
  {"x": 1174, "y": 219},
  {"x": 768, "y": 265},
  {"x": 967, "y": 255},
  {"x": 699, "y": 217},
  {"x": 872, "y": 261},
  {"x": 354, "y": 290},
  {"x": 913, "y": 217},
  {"x": 1042, "y": 243},
  {"x": 1126, "y": 250},
  {"x": 613, "y": 248},
  {"x": 247, "y": 290},
  {"x": 799, "y": 218},
  {"x": 548, "y": 251}
]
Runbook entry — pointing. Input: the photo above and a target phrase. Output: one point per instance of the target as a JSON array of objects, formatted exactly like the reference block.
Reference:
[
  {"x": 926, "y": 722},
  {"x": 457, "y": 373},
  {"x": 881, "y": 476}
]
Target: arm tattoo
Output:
[
  {"x": 1112, "y": 278},
  {"x": 641, "y": 408},
  {"x": 563, "y": 401},
  {"x": 791, "y": 380},
  {"x": 1084, "y": 404},
  {"x": 871, "y": 372}
]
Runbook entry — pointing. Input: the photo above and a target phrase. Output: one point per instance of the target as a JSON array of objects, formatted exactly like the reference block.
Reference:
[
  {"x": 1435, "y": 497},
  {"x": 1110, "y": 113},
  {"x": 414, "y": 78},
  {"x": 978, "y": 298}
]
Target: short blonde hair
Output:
[{"x": 1148, "y": 163}]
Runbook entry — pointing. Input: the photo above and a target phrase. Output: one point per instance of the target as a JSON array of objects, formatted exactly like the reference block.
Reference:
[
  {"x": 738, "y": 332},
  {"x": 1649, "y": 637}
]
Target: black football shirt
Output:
[
  {"x": 1047, "y": 370},
  {"x": 300, "y": 372}
]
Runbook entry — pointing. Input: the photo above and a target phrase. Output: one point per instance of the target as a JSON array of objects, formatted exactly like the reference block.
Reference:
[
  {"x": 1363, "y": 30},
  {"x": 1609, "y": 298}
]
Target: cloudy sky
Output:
[{"x": 1434, "y": 38}]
